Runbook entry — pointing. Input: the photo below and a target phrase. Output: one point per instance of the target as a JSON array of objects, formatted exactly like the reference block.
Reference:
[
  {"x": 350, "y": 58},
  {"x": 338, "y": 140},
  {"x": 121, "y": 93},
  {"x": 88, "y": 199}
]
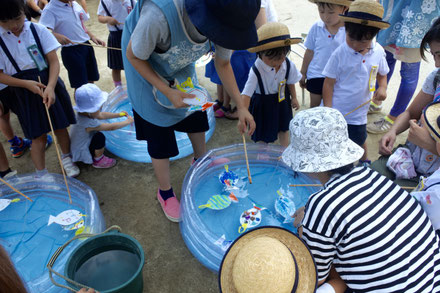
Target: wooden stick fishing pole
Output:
[
  {"x": 15, "y": 189},
  {"x": 56, "y": 147},
  {"x": 320, "y": 185},
  {"x": 246, "y": 157},
  {"x": 358, "y": 107},
  {"x": 98, "y": 46}
]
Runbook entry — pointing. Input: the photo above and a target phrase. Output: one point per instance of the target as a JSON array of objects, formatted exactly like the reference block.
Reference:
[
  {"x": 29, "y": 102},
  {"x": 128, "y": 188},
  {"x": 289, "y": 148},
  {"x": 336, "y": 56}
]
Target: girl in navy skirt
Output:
[
  {"x": 271, "y": 84},
  {"x": 28, "y": 55},
  {"x": 113, "y": 13}
]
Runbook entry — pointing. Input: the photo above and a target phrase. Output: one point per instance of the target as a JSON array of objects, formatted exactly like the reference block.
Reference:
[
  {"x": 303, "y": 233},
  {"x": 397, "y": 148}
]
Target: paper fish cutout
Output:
[
  {"x": 200, "y": 101},
  {"x": 4, "y": 203},
  {"x": 219, "y": 202},
  {"x": 223, "y": 243},
  {"x": 250, "y": 218},
  {"x": 66, "y": 218},
  {"x": 285, "y": 207},
  {"x": 228, "y": 178},
  {"x": 76, "y": 226}
]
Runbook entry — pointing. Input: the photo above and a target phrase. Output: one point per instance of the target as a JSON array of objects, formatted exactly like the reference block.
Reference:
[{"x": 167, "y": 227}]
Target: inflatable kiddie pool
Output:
[
  {"x": 123, "y": 143},
  {"x": 32, "y": 231},
  {"x": 211, "y": 219}
]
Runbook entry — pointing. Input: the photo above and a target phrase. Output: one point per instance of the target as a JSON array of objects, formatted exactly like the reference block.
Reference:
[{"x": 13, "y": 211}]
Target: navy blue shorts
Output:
[
  {"x": 80, "y": 63},
  {"x": 161, "y": 141},
  {"x": 315, "y": 85},
  {"x": 97, "y": 143},
  {"x": 357, "y": 133}
]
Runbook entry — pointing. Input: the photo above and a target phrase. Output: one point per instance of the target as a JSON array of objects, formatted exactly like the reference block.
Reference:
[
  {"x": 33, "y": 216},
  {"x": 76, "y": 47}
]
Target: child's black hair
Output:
[
  {"x": 11, "y": 9},
  {"x": 360, "y": 32},
  {"x": 342, "y": 170},
  {"x": 432, "y": 35},
  {"x": 275, "y": 53},
  {"x": 329, "y": 5}
]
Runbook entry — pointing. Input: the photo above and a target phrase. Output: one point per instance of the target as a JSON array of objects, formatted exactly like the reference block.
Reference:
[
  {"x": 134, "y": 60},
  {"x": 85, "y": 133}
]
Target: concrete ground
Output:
[{"x": 127, "y": 192}]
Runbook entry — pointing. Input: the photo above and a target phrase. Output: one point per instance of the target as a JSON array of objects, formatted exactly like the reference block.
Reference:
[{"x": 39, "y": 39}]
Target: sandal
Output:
[
  {"x": 217, "y": 105},
  {"x": 221, "y": 112},
  {"x": 232, "y": 114}
]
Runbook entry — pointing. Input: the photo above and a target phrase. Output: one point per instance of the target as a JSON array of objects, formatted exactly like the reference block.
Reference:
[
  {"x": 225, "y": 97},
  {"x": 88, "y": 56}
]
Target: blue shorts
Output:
[
  {"x": 80, "y": 63},
  {"x": 357, "y": 133},
  {"x": 161, "y": 141},
  {"x": 315, "y": 85}
]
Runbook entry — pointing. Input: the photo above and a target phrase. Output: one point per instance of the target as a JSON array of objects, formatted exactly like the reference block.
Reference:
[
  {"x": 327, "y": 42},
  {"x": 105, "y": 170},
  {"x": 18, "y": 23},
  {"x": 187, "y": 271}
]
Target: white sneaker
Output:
[
  {"x": 374, "y": 108},
  {"x": 70, "y": 167},
  {"x": 380, "y": 126},
  {"x": 10, "y": 174}
]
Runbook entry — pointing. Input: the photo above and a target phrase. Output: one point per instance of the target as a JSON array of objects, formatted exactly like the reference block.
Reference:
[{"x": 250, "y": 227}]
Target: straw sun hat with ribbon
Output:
[
  {"x": 337, "y": 2},
  {"x": 268, "y": 259},
  {"x": 365, "y": 12},
  {"x": 432, "y": 119},
  {"x": 273, "y": 35}
]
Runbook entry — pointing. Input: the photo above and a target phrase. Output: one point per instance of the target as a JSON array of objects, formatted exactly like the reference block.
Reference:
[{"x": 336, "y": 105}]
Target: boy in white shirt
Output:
[
  {"x": 322, "y": 40},
  {"x": 351, "y": 72},
  {"x": 66, "y": 20}
]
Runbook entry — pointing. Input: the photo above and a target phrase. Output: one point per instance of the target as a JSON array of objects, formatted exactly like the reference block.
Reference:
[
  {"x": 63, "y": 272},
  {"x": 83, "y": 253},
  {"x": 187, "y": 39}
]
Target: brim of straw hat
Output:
[
  {"x": 431, "y": 114},
  {"x": 275, "y": 44},
  {"x": 366, "y": 22},
  {"x": 337, "y": 2},
  {"x": 307, "y": 272}
]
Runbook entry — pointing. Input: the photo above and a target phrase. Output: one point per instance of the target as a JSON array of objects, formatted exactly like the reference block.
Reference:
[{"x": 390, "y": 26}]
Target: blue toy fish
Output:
[
  {"x": 228, "y": 178},
  {"x": 219, "y": 202},
  {"x": 285, "y": 207}
]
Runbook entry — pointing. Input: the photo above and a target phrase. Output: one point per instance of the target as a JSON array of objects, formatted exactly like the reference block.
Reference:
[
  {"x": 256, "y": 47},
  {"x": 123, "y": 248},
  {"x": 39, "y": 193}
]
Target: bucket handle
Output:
[{"x": 57, "y": 253}]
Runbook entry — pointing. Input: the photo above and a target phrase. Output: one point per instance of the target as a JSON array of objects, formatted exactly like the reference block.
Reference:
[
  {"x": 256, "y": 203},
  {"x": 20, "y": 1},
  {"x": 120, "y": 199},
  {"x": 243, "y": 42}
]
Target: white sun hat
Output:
[
  {"x": 319, "y": 142},
  {"x": 89, "y": 98}
]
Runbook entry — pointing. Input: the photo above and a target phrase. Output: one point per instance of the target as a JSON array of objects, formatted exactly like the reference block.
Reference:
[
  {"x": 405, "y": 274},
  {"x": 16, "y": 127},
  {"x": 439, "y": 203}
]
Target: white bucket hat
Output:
[
  {"x": 319, "y": 142},
  {"x": 89, "y": 98}
]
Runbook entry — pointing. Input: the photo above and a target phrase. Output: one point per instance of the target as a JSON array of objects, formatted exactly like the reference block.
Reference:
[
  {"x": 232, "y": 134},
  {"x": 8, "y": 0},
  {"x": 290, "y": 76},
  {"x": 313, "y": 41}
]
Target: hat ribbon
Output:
[
  {"x": 363, "y": 15},
  {"x": 273, "y": 39},
  {"x": 295, "y": 285}
]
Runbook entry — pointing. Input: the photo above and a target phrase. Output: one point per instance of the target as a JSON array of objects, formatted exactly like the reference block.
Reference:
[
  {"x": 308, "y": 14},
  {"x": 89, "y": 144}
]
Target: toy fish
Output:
[
  {"x": 219, "y": 202},
  {"x": 285, "y": 207},
  {"x": 250, "y": 218},
  {"x": 66, "y": 218},
  {"x": 223, "y": 243},
  {"x": 74, "y": 226},
  {"x": 228, "y": 178},
  {"x": 4, "y": 203},
  {"x": 203, "y": 107}
]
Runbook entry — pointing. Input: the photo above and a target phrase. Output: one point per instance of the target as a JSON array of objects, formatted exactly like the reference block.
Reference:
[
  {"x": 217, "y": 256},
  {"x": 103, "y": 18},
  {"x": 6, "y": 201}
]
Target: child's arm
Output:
[
  {"x": 294, "y": 101},
  {"x": 381, "y": 92},
  {"x": 109, "y": 115},
  {"x": 246, "y": 100},
  {"x": 327, "y": 91},
  {"x": 83, "y": 5},
  {"x": 54, "y": 71},
  {"x": 107, "y": 19},
  {"x": 31, "y": 85},
  {"x": 111, "y": 126},
  {"x": 62, "y": 39},
  {"x": 31, "y": 4},
  {"x": 308, "y": 56},
  {"x": 95, "y": 39}
]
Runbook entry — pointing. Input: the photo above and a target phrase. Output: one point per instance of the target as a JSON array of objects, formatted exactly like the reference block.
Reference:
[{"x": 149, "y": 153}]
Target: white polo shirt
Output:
[
  {"x": 270, "y": 78},
  {"x": 323, "y": 44},
  {"x": 271, "y": 13},
  {"x": 18, "y": 47},
  {"x": 119, "y": 10},
  {"x": 66, "y": 20},
  {"x": 352, "y": 73}
]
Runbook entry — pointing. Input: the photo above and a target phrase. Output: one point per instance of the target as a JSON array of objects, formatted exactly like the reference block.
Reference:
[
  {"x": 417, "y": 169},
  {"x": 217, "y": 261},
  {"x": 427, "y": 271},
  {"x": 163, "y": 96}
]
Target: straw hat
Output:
[
  {"x": 432, "y": 119},
  {"x": 273, "y": 35},
  {"x": 319, "y": 142},
  {"x": 337, "y": 2},
  {"x": 89, "y": 98},
  {"x": 270, "y": 260},
  {"x": 365, "y": 12}
]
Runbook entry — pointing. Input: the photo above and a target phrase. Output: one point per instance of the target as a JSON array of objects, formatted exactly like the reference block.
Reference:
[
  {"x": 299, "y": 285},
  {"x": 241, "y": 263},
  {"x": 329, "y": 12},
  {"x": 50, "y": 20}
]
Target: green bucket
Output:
[{"x": 108, "y": 262}]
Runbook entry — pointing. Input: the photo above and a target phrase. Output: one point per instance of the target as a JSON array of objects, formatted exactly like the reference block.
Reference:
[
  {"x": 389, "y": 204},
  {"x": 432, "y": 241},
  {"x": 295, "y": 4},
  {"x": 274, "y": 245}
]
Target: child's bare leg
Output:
[
  {"x": 162, "y": 172},
  {"x": 99, "y": 153},
  {"x": 365, "y": 155},
  {"x": 38, "y": 152},
  {"x": 226, "y": 99},
  {"x": 63, "y": 140},
  {"x": 4, "y": 164},
  {"x": 5, "y": 126},
  {"x": 315, "y": 100},
  {"x": 220, "y": 93},
  {"x": 116, "y": 76},
  {"x": 198, "y": 143},
  {"x": 283, "y": 137}
]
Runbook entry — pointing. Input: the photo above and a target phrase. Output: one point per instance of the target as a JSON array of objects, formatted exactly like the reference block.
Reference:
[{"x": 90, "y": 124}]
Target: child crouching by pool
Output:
[{"x": 88, "y": 142}]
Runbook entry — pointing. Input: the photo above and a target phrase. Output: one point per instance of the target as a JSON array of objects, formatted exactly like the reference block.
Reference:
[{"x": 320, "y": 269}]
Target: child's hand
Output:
[
  {"x": 129, "y": 119},
  {"x": 386, "y": 143},
  {"x": 380, "y": 94},
  {"x": 299, "y": 216},
  {"x": 112, "y": 21},
  {"x": 302, "y": 82},
  {"x": 49, "y": 96},
  {"x": 62, "y": 39},
  {"x": 419, "y": 135},
  {"x": 98, "y": 41},
  {"x": 295, "y": 104},
  {"x": 176, "y": 98},
  {"x": 35, "y": 87}
]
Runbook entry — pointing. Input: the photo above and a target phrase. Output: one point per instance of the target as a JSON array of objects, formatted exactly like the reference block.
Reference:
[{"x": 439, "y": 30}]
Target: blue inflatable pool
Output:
[
  {"x": 123, "y": 142},
  {"x": 32, "y": 231},
  {"x": 218, "y": 204}
]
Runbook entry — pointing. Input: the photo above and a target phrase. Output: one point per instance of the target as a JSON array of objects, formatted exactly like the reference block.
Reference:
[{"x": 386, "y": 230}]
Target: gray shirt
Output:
[{"x": 80, "y": 139}]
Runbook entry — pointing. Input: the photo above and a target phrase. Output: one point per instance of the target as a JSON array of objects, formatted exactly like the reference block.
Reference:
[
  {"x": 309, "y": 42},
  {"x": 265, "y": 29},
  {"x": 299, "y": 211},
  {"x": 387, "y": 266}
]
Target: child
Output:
[
  {"x": 88, "y": 142},
  {"x": 322, "y": 40},
  {"x": 28, "y": 97},
  {"x": 272, "y": 101},
  {"x": 350, "y": 74},
  {"x": 66, "y": 20},
  {"x": 113, "y": 13}
]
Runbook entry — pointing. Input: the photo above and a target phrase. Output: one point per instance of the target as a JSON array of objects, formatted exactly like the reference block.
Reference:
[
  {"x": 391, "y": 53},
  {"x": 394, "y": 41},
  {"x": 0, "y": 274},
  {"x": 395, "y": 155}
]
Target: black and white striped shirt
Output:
[{"x": 374, "y": 233}]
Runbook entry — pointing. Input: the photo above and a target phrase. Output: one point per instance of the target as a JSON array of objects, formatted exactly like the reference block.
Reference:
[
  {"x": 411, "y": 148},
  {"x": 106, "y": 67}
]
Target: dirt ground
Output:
[{"x": 127, "y": 191}]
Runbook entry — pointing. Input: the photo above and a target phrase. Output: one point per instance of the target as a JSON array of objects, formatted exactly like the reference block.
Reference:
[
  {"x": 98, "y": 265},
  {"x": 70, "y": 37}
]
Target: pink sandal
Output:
[{"x": 220, "y": 113}]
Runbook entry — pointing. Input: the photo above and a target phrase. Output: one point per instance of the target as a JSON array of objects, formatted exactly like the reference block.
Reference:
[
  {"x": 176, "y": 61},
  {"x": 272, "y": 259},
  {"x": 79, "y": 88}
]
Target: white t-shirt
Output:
[
  {"x": 18, "y": 47},
  {"x": 270, "y": 78},
  {"x": 352, "y": 72},
  {"x": 323, "y": 44},
  {"x": 119, "y": 10},
  {"x": 428, "y": 84},
  {"x": 66, "y": 20},
  {"x": 271, "y": 13}
]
